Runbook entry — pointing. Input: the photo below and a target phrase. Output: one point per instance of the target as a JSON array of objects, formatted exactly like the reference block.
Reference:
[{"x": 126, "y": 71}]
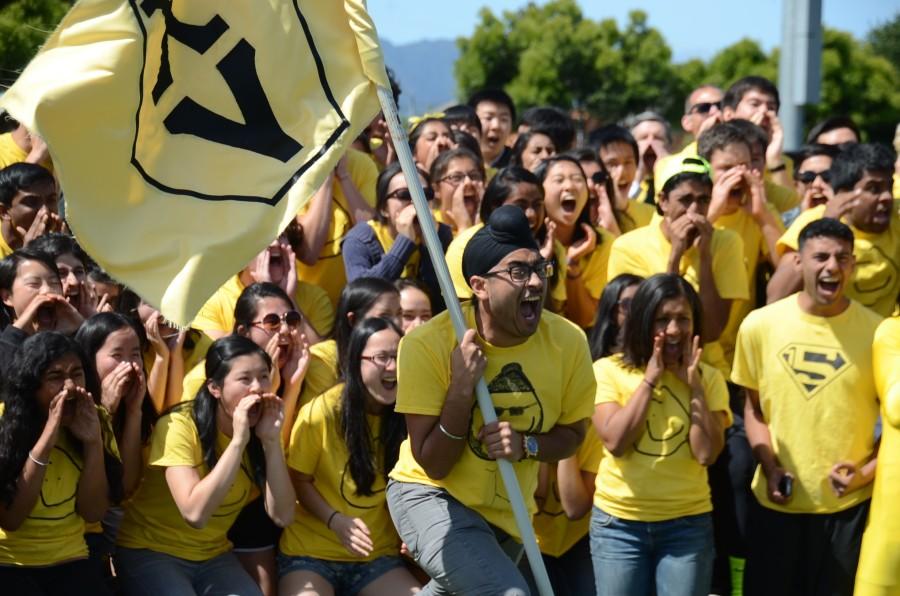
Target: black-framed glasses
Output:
[
  {"x": 521, "y": 272},
  {"x": 381, "y": 359},
  {"x": 807, "y": 176},
  {"x": 403, "y": 194},
  {"x": 456, "y": 178},
  {"x": 704, "y": 107},
  {"x": 600, "y": 177},
  {"x": 272, "y": 322}
]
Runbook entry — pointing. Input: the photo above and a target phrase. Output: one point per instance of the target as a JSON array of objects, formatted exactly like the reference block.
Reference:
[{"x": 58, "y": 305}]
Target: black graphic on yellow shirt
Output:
[
  {"x": 515, "y": 401},
  {"x": 348, "y": 486},
  {"x": 667, "y": 426},
  {"x": 60, "y": 485},
  {"x": 236, "y": 497},
  {"x": 812, "y": 367},
  {"x": 876, "y": 274}
]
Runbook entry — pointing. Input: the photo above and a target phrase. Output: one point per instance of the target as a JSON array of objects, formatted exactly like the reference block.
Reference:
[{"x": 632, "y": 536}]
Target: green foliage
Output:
[
  {"x": 885, "y": 40},
  {"x": 551, "y": 54},
  {"x": 24, "y": 24}
]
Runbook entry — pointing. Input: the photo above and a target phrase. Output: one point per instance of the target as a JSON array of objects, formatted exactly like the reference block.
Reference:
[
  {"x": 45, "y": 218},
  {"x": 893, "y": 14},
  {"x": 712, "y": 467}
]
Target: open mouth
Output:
[
  {"x": 672, "y": 349},
  {"x": 46, "y": 317},
  {"x": 818, "y": 199},
  {"x": 276, "y": 264},
  {"x": 623, "y": 189},
  {"x": 828, "y": 285},
  {"x": 389, "y": 383},
  {"x": 530, "y": 309},
  {"x": 568, "y": 203},
  {"x": 491, "y": 140}
]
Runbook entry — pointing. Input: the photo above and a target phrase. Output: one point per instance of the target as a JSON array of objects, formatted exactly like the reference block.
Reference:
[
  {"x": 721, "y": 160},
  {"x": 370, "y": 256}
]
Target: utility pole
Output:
[{"x": 800, "y": 66}]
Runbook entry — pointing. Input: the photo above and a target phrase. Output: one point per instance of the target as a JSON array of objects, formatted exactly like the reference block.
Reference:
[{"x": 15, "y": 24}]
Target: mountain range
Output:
[{"x": 424, "y": 70}]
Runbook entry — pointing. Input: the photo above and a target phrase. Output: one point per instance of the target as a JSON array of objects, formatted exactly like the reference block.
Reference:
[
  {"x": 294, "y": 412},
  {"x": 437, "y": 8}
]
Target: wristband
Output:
[
  {"x": 42, "y": 464},
  {"x": 652, "y": 386},
  {"x": 449, "y": 434},
  {"x": 330, "y": 517}
]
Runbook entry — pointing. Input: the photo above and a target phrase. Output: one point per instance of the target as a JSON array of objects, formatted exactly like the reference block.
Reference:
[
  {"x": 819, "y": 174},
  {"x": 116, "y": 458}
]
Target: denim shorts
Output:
[{"x": 346, "y": 577}]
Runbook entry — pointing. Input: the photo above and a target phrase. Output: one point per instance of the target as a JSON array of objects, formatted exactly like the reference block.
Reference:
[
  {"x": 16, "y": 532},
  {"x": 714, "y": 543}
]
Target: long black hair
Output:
[
  {"x": 91, "y": 336},
  {"x": 354, "y": 427},
  {"x": 637, "y": 345},
  {"x": 23, "y": 421},
  {"x": 221, "y": 354},
  {"x": 9, "y": 270},
  {"x": 605, "y": 335},
  {"x": 357, "y": 298}
]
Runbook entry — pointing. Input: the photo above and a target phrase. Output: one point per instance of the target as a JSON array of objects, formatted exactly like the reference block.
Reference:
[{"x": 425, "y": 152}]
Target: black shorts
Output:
[{"x": 253, "y": 529}]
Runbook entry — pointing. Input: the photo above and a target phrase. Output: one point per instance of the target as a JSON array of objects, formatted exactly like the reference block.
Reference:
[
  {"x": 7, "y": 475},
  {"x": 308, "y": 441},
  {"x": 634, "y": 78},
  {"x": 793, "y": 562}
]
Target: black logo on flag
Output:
[{"x": 181, "y": 124}]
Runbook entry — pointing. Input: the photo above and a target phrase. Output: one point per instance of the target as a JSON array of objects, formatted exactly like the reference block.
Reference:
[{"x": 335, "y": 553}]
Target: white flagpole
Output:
[{"x": 436, "y": 253}]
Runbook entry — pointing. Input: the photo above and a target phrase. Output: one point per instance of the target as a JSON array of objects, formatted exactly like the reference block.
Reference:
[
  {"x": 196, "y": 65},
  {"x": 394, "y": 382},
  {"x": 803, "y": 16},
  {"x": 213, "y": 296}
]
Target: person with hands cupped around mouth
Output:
[
  {"x": 54, "y": 472},
  {"x": 208, "y": 458},
  {"x": 445, "y": 493},
  {"x": 661, "y": 414},
  {"x": 33, "y": 301}
]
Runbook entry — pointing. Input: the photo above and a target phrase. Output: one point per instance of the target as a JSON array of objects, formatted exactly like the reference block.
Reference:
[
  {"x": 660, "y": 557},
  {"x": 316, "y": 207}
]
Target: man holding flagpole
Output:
[{"x": 446, "y": 496}]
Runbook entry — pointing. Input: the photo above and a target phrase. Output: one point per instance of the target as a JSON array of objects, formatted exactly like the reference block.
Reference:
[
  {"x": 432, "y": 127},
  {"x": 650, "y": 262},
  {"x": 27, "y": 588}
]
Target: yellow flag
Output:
[{"x": 187, "y": 133}]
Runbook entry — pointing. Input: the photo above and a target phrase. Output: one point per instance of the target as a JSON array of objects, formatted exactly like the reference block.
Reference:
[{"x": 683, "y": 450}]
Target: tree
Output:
[
  {"x": 884, "y": 40},
  {"x": 24, "y": 25},
  {"x": 552, "y": 54}
]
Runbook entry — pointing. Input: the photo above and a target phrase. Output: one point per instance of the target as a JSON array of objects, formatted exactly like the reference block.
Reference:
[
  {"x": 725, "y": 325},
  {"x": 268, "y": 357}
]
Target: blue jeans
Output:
[
  {"x": 149, "y": 573},
  {"x": 630, "y": 557},
  {"x": 462, "y": 553}
]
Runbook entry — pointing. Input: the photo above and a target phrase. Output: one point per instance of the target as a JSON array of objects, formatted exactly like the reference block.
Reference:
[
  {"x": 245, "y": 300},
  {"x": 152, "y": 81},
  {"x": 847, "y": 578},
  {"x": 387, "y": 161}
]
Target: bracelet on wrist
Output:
[
  {"x": 651, "y": 385},
  {"x": 42, "y": 464},
  {"x": 449, "y": 434},
  {"x": 330, "y": 518}
]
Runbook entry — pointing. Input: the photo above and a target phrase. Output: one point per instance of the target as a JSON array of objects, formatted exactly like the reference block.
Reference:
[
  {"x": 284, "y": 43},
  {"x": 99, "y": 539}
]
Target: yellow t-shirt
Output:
[
  {"x": 328, "y": 273},
  {"x": 755, "y": 249},
  {"x": 317, "y": 448},
  {"x": 193, "y": 381},
  {"x": 383, "y": 235},
  {"x": 658, "y": 478},
  {"x": 531, "y": 392},
  {"x": 876, "y": 280},
  {"x": 322, "y": 373},
  {"x": 5, "y": 249},
  {"x": 637, "y": 214},
  {"x": 152, "y": 520},
  {"x": 192, "y": 357},
  {"x": 53, "y": 532},
  {"x": 11, "y": 153},
  {"x": 555, "y": 532},
  {"x": 817, "y": 395},
  {"x": 218, "y": 312},
  {"x": 454, "y": 257},
  {"x": 594, "y": 268},
  {"x": 782, "y": 198},
  {"x": 645, "y": 252},
  {"x": 878, "y": 573}
]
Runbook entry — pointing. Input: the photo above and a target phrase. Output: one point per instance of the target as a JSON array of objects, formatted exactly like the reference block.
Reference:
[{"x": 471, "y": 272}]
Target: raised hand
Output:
[
  {"x": 656, "y": 366},
  {"x": 84, "y": 423},
  {"x": 271, "y": 419},
  {"x": 115, "y": 386},
  {"x": 242, "y": 417}
]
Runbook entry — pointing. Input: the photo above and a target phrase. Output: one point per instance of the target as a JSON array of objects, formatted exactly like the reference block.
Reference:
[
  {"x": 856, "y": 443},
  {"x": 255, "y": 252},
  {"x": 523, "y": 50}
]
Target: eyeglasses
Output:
[
  {"x": 272, "y": 322},
  {"x": 456, "y": 178},
  {"x": 521, "y": 272},
  {"x": 403, "y": 194},
  {"x": 807, "y": 176},
  {"x": 705, "y": 107},
  {"x": 600, "y": 177},
  {"x": 381, "y": 359}
]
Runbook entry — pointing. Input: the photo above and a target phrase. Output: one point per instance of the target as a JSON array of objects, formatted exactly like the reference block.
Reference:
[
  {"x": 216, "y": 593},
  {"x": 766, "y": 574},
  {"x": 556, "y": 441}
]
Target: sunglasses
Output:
[
  {"x": 403, "y": 194},
  {"x": 600, "y": 177},
  {"x": 807, "y": 176},
  {"x": 704, "y": 107},
  {"x": 272, "y": 322}
]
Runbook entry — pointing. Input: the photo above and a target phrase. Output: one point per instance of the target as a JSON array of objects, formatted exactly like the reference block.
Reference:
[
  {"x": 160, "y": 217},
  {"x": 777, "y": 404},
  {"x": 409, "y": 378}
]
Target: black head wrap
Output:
[{"x": 507, "y": 230}]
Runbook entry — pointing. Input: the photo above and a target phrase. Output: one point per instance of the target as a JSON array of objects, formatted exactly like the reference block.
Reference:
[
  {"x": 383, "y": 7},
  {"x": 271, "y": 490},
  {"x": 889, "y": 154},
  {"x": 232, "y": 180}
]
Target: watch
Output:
[{"x": 530, "y": 446}]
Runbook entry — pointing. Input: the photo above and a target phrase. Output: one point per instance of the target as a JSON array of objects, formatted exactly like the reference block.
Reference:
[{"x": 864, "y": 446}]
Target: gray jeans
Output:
[
  {"x": 149, "y": 573},
  {"x": 454, "y": 545}
]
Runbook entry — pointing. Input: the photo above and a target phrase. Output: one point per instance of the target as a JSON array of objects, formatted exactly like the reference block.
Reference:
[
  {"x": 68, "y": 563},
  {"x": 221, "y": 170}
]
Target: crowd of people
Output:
[{"x": 692, "y": 353}]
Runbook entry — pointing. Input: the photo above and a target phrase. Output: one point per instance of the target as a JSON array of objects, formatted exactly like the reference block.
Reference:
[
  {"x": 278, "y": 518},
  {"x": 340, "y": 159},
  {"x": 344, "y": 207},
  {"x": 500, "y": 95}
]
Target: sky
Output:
[{"x": 405, "y": 21}]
